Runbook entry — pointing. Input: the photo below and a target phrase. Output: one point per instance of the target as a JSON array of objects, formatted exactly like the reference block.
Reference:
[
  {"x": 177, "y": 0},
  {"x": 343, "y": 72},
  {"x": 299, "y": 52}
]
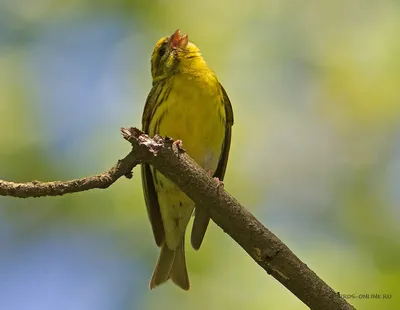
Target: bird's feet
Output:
[
  {"x": 177, "y": 147},
  {"x": 178, "y": 144},
  {"x": 220, "y": 184}
]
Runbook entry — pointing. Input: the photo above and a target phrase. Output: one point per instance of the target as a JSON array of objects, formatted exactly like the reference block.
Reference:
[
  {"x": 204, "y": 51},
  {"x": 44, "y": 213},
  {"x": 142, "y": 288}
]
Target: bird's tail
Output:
[{"x": 171, "y": 264}]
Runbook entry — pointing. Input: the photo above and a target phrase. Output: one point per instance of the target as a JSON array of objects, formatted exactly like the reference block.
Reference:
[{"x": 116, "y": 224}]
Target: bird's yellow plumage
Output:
[{"x": 187, "y": 103}]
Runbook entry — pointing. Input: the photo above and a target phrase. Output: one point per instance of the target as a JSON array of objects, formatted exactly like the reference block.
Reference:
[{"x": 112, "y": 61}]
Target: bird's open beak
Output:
[{"x": 178, "y": 41}]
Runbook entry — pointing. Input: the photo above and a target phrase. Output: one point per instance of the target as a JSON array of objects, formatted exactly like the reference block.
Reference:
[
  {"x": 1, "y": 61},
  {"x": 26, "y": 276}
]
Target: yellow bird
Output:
[{"x": 187, "y": 103}]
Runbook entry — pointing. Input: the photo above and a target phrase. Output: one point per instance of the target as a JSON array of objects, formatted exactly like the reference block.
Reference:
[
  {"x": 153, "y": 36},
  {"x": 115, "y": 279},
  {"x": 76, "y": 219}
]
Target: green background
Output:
[{"x": 315, "y": 152}]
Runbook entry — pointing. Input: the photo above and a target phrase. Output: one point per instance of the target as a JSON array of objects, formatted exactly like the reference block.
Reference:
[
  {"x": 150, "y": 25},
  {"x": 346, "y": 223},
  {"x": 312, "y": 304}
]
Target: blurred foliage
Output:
[{"x": 315, "y": 153}]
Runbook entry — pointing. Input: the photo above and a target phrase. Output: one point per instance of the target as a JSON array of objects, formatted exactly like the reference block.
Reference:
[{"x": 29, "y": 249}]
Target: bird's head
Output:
[{"x": 174, "y": 54}]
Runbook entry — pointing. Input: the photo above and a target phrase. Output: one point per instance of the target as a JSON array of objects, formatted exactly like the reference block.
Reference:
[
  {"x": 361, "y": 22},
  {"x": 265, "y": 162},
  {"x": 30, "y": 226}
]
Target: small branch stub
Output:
[{"x": 133, "y": 133}]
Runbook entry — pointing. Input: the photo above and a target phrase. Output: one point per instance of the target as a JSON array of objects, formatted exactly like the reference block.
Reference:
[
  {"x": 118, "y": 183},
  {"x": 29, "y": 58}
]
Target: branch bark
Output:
[
  {"x": 59, "y": 188},
  {"x": 167, "y": 157}
]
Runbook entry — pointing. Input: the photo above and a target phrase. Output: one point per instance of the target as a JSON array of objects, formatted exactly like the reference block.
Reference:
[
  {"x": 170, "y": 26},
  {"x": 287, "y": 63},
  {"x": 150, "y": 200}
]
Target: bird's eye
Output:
[{"x": 162, "y": 50}]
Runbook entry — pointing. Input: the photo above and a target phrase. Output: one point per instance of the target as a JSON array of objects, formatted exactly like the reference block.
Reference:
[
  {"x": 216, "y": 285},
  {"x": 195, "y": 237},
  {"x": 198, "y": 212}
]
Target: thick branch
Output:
[{"x": 261, "y": 244}]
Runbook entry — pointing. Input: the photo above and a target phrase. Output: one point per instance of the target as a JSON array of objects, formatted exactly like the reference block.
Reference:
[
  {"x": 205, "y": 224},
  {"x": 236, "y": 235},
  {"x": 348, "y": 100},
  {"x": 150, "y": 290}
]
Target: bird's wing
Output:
[
  {"x": 223, "y": 159},
  {"x": 202, "y": 218},
  {"x": 150, "y": 194}
]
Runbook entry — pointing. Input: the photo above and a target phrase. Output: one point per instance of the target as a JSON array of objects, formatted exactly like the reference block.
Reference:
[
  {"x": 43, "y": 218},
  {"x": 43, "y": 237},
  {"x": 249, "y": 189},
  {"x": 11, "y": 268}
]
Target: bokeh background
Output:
[{"x": 315, "y": 155}]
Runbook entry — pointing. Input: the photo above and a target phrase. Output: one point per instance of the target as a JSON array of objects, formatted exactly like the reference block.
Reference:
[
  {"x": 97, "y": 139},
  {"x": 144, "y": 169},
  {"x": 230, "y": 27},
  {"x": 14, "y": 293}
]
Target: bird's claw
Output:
[
  {"x": 178, "y": 143},
  {"x": 220, "y": 184}
]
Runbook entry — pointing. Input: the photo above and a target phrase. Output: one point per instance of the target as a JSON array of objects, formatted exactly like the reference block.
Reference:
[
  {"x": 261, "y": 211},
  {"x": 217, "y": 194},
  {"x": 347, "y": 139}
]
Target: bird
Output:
[{"x": 187, "y": 103}]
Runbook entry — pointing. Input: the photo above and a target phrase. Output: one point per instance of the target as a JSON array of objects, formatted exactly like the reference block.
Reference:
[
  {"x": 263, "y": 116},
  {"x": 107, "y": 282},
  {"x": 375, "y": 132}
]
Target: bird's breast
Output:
[{"x": 193, "y": 112}]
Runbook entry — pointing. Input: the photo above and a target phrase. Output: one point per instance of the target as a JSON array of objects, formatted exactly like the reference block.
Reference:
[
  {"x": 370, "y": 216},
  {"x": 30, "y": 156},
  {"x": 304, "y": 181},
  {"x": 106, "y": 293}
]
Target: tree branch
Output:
[
  {"x": 167, "y": 157},
  {"x": 58, "y": 188}
]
